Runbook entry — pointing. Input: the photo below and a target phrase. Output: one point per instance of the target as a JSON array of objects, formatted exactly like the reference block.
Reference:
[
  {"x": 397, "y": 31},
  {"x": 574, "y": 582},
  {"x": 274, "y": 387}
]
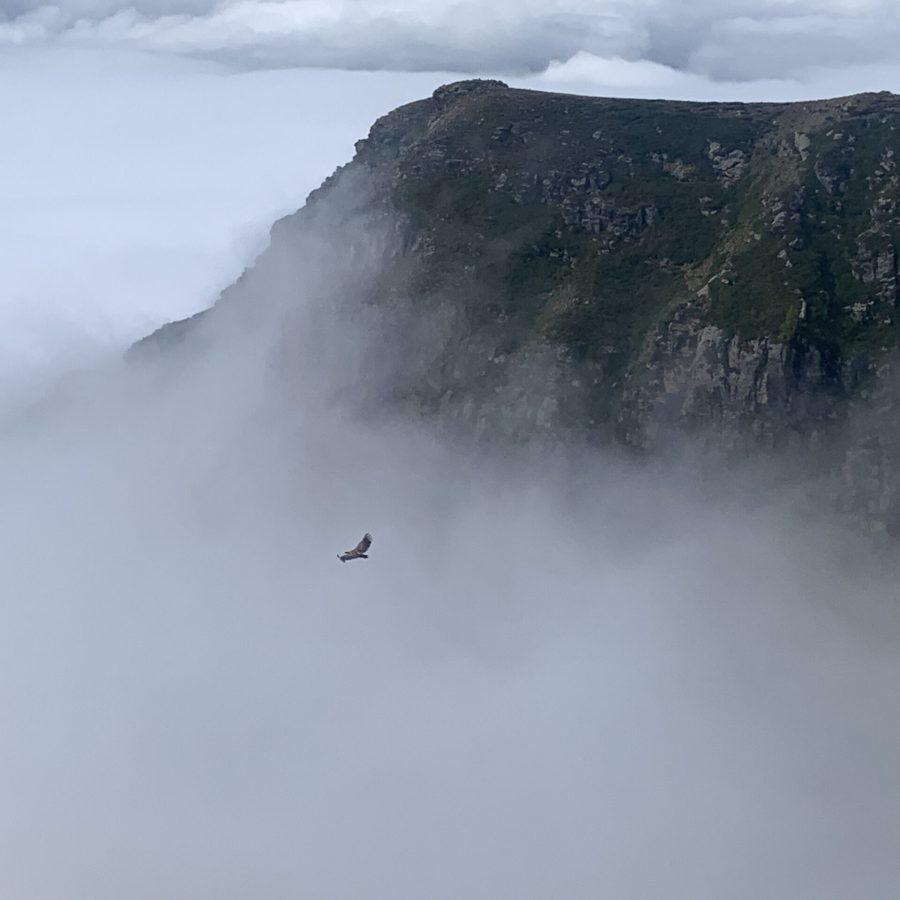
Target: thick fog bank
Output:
[
  {"x": 135, "y": 186},
  {"x": 553, "y": 678}
]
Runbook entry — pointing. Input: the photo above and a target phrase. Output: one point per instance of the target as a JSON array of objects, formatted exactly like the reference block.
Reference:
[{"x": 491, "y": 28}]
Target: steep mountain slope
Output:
[{"x": 637, "y": 272}]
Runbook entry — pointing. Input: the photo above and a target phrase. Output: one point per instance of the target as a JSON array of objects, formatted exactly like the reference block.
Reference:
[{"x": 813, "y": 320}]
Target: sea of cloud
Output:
[{"x": 555, "y": 675}]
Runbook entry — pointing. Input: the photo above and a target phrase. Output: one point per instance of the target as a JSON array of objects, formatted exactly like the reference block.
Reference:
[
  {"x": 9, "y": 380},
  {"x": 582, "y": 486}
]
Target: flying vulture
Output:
[{"x": 359, "y": 551}]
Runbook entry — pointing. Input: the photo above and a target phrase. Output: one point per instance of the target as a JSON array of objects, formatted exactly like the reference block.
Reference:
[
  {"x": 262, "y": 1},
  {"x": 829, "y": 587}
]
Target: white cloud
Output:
[
  {"x": 135, "y": 187},
  {"x": 750, "y": 47},
  {"x": 739, "y": 41},
  {"x": 585, "y": 73}
]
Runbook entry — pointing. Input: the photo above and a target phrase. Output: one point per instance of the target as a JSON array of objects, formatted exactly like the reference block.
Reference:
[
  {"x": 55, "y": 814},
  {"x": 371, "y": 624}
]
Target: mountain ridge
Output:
[{"x": 632, "y": 272}]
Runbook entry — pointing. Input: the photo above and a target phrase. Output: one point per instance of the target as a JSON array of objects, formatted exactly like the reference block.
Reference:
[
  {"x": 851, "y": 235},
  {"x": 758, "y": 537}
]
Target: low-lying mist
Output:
[{"x": 556, "y": 677}]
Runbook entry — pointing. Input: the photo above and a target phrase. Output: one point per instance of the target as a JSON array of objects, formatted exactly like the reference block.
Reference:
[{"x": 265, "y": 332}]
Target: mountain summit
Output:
[{"x": 632, "y": 272}]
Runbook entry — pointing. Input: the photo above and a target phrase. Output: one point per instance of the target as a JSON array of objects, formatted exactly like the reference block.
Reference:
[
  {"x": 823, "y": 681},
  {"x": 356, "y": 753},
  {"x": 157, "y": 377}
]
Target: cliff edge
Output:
[{"x": 635, "y": 272}]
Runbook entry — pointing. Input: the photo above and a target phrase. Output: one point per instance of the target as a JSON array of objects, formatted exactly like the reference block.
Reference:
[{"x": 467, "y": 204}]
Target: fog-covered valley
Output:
[{"x": 556, "y": 675}]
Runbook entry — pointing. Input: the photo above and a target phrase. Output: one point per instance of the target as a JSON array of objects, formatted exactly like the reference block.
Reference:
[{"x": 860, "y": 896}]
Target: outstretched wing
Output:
[{"x": 359, "y": 550}]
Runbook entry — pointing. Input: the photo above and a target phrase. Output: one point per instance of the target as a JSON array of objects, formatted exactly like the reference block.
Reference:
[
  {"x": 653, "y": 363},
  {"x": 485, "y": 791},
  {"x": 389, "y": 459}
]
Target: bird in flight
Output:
[{"x": 359, "y": 551}]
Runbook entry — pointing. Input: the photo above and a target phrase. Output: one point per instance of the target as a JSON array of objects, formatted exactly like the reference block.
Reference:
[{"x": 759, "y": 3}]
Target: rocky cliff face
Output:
[{"x": 634, "y": 272}]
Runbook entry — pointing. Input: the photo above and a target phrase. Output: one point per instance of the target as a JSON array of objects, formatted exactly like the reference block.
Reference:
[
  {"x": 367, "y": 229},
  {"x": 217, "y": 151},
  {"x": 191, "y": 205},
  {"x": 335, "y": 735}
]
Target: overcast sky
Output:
[{"x": 721, "y": 41}]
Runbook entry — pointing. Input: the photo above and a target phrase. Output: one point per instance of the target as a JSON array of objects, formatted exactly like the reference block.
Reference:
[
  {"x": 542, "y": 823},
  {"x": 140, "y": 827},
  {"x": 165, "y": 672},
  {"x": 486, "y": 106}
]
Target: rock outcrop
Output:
[{"x": 637, "y": 272}]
